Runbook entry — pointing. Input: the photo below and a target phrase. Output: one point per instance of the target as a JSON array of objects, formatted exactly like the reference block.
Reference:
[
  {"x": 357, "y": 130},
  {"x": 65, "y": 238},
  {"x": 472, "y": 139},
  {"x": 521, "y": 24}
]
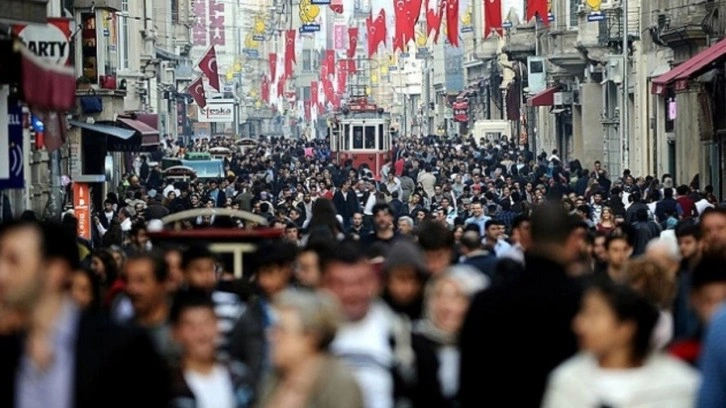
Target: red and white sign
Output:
[
  {"x": 82, "y": 209},
  {"x": 51, "y": 41}
]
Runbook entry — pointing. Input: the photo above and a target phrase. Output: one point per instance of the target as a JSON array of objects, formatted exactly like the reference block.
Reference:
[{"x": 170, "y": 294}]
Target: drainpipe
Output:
[{"x": 624, "y": 128}]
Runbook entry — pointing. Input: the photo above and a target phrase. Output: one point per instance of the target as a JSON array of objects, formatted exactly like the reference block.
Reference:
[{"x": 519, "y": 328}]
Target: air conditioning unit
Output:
[{"x": 563, "y": 98}]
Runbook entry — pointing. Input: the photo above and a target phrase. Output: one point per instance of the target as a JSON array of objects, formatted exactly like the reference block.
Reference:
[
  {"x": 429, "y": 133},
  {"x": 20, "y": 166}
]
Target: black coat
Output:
[
  {"x": 515, "y": 333},
  {"x": 114, "y": 367}
]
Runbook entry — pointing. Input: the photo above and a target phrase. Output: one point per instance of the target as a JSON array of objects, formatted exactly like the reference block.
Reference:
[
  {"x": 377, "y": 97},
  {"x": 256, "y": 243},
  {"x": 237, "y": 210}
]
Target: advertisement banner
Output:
[
  {"x": 12, "y": 173},
  {"x": 50, "y": 41},
  {"x": 217, "y": 111},
  {"x": 82, "y": 209},
  {"x": 339, "y": 37}
]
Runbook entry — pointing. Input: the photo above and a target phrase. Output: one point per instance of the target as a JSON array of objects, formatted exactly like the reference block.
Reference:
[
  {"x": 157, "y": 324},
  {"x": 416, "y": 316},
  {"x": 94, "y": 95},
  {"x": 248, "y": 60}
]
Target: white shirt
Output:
[
  {"x": 213, "y": 390},
  {"x": 364, "y": 345},
  {"x": 701, "y": 206}
]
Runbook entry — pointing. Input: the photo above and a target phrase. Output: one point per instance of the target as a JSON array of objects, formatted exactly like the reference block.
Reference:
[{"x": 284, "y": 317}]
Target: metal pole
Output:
[
  {"x": 624, "y": 133},
  {"x": 427, "y": 98}
]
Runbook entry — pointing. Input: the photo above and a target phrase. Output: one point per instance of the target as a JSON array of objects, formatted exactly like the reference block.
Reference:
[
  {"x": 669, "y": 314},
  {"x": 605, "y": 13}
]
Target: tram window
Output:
[
  {"x": 346, "y": 137},
  {"x": 381, "y": 139},
  {"x": 357, "y": 137},
  {"x": 370, "y": 137}
]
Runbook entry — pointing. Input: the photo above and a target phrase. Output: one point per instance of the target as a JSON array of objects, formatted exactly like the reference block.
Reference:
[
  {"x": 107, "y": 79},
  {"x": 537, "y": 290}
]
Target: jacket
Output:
[
  {"x": 515, "y": 333},
  {"x": 114, "y": 367},
  {"x": 663, "y": 382}
]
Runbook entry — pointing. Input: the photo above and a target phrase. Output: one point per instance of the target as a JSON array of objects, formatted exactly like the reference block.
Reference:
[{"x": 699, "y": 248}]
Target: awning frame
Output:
[
  {"x": 690, "y": 67},
  {"x": 544, "y": 98},
  {"x": 104, "y": 128}
]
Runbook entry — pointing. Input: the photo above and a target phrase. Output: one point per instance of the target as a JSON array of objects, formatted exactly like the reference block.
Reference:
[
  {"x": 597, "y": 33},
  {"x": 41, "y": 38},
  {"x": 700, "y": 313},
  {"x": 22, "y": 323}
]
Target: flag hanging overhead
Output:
[
  {"x": 452, "y": 22},
  {"x": 265, "y": 89},
  {"x": 352, "y": 41},
  {"x": 208, "y": 66},
  {"x": 492, "y": 16},
  {"x": 434, "y": 11},
  {"x": 273, "y": 65},
  {"x": 289, "y": 51},
  {"x": 196, "y": 90},
  {"x": 540, "y": 9}
]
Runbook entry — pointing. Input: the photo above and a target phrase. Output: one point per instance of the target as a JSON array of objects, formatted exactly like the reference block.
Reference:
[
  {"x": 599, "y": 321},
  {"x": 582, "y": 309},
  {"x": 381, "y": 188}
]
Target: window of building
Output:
[
  {"x": 174, "y": 11},
  {"x": 572, "y": 17},
  {"x": 123, "y": 36},
  {"x": 89, "y": 47},
  {"x": 307, "y": 64}
]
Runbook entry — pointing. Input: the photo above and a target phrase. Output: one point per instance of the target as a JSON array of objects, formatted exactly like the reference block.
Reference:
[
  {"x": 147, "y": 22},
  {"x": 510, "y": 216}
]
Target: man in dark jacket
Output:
[
  {"x": 666, "y": 207},
  {"x": 85, "y": 360},
  {"x": 515, "y": 333}
]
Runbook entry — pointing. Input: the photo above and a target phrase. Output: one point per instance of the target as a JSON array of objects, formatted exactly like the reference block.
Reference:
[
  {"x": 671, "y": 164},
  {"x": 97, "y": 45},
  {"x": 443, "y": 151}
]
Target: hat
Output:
[
  {"x": 405, "y": 253},
  {"x": 152, "y": 193}
]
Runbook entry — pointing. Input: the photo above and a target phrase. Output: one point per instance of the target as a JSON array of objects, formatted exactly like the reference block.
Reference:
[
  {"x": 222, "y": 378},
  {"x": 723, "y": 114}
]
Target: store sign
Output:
[
  {"x": 82, "y": 209},
  {"x": 217, "y": 111},
  {"x": 12, "y": 173},
  {"x": 50, "y": 42}
]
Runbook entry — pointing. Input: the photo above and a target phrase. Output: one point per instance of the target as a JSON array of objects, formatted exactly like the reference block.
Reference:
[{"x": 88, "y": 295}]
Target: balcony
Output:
[
  {"x": 90, "y": 4},
  {"x": 520, "y": 43},
  {"x": 563, "y": 53},
  {"x": 25, "y": 11},
  {"x": 683, "y": 23}
]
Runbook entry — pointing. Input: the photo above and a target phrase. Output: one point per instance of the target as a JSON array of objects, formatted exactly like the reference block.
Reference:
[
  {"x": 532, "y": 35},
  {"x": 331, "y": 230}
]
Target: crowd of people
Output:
[{"x": 457, "y": 275}]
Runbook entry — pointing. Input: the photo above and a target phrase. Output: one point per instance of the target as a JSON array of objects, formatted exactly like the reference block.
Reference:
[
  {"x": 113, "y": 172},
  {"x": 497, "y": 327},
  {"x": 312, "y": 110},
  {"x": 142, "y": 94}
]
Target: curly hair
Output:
[{"x": 651, "y": 281}]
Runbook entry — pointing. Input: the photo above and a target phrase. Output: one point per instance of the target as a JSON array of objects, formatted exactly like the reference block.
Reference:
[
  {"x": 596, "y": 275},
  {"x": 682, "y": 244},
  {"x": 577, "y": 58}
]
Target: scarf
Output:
[{"x": 426, "y": 328}]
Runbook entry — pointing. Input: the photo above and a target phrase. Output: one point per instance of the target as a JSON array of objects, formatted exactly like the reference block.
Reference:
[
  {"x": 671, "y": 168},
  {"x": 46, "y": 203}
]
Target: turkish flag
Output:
[
  {"x": 433, "y": 18},
  {"x": 337, "y": 6},
  {"x": 329, "y": 62},
  {"x": 352, "y": 41},
  {"x": 452, "y": 21},
  {"x": 342, "y": 76},
  {"x": 538, "y": 8},
  {"x": 371, "y": 36},
  {"x": 273, "y": 65},
  {"x": 413, "y": 12},
  {"x": 492, "y": 16},
  {"x": 196, "y": 90},
  {"x": 352, "y": 68},
  {"x": 307, "y": 108},
  {"x": 289, "y": 51},
  {"x": 208, "y": 66},
  {"x": 265, "y": 89},
  {"x": 399, "y": 9},
  {"x": 314, "y": 92}
]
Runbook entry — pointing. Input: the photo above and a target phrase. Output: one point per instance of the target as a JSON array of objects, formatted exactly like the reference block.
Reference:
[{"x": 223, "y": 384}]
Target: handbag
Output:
[{"x": 91, "y": 103}]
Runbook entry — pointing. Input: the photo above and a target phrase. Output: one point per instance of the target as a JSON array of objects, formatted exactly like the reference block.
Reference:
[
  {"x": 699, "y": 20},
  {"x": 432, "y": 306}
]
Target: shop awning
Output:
[
  {"x": 544, "y": 98},
  {"x": 149, "y": 136},
  {"x": 106, "y": 129},
  {"x": 693, "y": 66}
]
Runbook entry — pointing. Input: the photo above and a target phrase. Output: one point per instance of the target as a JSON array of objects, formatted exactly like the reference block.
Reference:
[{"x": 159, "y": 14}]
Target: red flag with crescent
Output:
[
  {"x": 289, "y": 51},
  {"x": 314, "y": 93},
  {"x": 196, "y": 90},
  {"x": 433, "y": 19},
  {"x": 337, "y": 6},
  {"x": 208, "y": 66},
  {"x": 352, "y": 41},
  {"x": 452, "y": 22},
  {"x": 342, "y": 76},
  {"x": 273, "y": 65},
  {"x": 281, "y": 86},
  {"x": 329, "y": 62},
  {"x": 307, "y": 107},
  {"x": 538, "y": 8},
  {"x": 492, "y": 16}
]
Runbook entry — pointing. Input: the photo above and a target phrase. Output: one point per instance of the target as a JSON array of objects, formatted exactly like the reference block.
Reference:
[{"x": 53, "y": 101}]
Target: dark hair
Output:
[
  {"x": 708, "y": 270},
  {"x": 629, "y": 305},
  {"x": 492, "y": 221},
  {"x": 161, "y": 270},
  {"x": 347, "y": 252},
  {"x": 688, "y": 228},
  {"x": 277, "y": 254},
  {"x": 616, "y": 237},
  {"x": 95, "y": 283},
  {"x": 433, "y": 236},
  {"x": 109, "y": 265},
  {"x": 189, "y": 299},
  {"x": 551, "y": 223},
  {"x": 519, "y": 220},
  {"x": 195, "y": 252}
]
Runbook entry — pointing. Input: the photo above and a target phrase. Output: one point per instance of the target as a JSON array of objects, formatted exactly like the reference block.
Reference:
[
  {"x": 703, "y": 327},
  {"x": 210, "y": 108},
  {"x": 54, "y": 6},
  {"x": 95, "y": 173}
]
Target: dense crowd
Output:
[{"x": 457, "y": 275}]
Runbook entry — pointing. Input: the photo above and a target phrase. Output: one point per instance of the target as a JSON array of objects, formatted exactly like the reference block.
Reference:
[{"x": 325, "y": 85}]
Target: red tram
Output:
[{"x": 360, "y": 132}]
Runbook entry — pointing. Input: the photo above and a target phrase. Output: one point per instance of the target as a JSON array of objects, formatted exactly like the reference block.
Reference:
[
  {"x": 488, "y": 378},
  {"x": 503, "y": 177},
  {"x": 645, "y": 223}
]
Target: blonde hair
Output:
[
  {"x": 319, "y": 313},
  {"x": 650, "y": 280}
]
